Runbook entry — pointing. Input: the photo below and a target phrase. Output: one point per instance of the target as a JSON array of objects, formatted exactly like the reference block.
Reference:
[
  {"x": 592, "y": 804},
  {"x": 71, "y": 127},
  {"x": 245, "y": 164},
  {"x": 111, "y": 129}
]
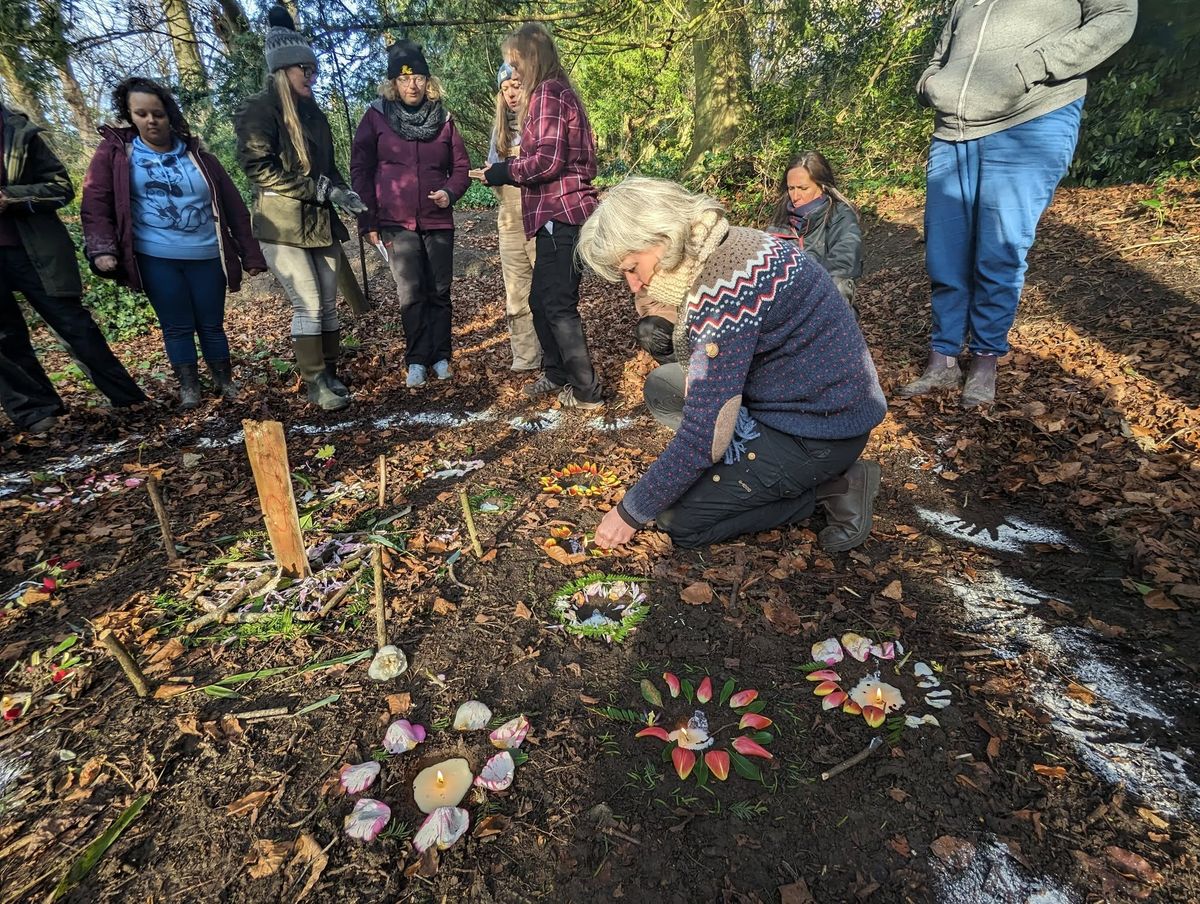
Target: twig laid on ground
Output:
[
  {"x": 876, "y": 743},
  {"x": 126, "y": 661},
  {"x": 382, "y": 480},
  {"x": 453, "y": 580},
  {"x": 737, "y": 586},
  {"x": 466, "y": 507},
  {"x": 380, "y": 612},
  {"x": 164, "y": 523},
  {"x": 257, "y": 715},
  {"x": 235, "y": 599},
  {"x": 338, "y": 595}
]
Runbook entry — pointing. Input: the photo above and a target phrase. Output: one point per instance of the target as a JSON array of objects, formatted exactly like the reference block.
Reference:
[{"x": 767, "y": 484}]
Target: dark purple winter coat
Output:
[
  {"x": 107, "y": 211},
  {"x": 395, "y": 175}
]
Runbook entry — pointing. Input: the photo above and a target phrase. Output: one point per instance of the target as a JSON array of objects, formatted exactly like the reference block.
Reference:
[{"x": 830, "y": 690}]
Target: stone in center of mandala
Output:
[{"x": 694, "y": 735}]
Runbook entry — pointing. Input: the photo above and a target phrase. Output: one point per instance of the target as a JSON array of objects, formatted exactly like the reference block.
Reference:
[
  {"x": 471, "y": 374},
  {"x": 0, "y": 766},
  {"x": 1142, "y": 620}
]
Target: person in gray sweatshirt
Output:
[{"x": 1007, "y": 82}]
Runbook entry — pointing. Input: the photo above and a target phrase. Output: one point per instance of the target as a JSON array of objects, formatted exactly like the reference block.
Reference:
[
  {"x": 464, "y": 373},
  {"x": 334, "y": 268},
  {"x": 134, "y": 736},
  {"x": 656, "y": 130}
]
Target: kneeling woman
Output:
[{"x": 773, "y": 393}]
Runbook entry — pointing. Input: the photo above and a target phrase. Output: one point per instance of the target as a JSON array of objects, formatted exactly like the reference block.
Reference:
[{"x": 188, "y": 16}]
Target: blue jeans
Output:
[
  {"x": 189, "y": 299},
  {"x": 983, "y": 200}
]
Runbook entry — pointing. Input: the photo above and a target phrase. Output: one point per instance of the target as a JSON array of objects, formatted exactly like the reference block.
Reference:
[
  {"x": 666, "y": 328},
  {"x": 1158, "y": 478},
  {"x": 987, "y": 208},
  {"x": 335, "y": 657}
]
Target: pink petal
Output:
[
  {"x": 684, "y": 760},
  {"x": 755, "y": 721},
  {"x": 885, "y": 650},
  {"x": 356, "y": 779},
  {"x": 827, "y": 651},
  {"x": 49, "y": 585},
  {"x": 825, "y": 688},
  {"x": 72, "y": 565},
  {"x": 874, "y": 716},
  {"x": 510, "y": 735},
  {"x": 704, "y": 691},
  {"x": 654, "y": 731},
  {"x": 402, "y": 736},
  {"x": 367, "y": 819},
  {"x": 672, "y": 683},
  {"x": 747, "y": 747},
  {"x": 834, "y": 700},
  {"x": 131, "y": 481},
  {"x": 497, "y": 773},
  {"x": 442, "y": 828},
  {"x": 824, "y": 675},
  {"x": 718, "y": 763},
  {"x": 743, "y": 698}
]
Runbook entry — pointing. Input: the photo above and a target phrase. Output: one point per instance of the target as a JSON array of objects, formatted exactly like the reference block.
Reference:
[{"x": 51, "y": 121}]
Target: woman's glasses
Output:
[
  {"x": 309, "y": 70},
  {"x": 418, "y": 80}
]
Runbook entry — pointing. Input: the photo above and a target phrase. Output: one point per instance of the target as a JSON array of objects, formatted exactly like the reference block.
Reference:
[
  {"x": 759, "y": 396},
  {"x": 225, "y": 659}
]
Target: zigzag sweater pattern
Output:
[{"x": 763, "y": 321}]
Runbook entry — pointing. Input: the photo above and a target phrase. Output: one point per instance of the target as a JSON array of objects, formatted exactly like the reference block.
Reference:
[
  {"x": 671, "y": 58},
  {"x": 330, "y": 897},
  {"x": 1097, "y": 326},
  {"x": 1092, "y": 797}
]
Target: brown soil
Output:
[{"x": 1094, "y": 435}]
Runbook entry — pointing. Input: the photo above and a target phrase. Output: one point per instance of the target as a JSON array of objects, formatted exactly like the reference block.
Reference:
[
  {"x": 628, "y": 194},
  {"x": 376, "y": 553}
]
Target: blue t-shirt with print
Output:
[{"x": 172, "y": 206}]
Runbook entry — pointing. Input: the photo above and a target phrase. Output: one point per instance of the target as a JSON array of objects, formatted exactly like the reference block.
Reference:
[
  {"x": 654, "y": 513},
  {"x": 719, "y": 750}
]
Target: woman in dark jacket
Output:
[
  {"x": 409, "y": 164},
  {"x": 161, "y": 215},
  {"x": 812, "y": 211},
  {"x": 285, "y": 147}
]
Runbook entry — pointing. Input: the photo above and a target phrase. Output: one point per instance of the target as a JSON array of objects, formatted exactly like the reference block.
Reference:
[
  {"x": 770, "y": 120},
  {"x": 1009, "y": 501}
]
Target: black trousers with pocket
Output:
[
  {"x": 26, "y": 393},
  {"x": 773, "y": 484},
  {"x": 554, "y": 301},
  {"x": 422, "y": 263}
]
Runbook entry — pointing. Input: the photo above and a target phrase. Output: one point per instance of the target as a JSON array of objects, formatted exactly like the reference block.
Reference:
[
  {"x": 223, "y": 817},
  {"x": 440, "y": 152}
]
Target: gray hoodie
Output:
[{"x": 999, "y": 63}]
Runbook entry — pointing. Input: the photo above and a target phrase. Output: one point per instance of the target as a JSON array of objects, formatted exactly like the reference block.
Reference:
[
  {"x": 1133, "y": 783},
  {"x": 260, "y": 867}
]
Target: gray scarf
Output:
[{"x": 414, "y": 123}]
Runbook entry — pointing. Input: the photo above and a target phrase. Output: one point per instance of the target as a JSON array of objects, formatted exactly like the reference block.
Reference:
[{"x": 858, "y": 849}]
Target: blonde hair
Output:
[
  {"x": 532, "y": 45},
  {"x": 433, "y": 89},
  {"x": 291, "y": 119},
  {"x": 500, "y": 129},
  {"x": 642, "y": 213}
]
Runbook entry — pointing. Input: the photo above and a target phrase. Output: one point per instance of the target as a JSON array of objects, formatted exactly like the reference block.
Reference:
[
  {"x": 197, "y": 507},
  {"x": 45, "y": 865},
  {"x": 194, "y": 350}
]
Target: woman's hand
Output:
[
  {"x": 441, "y": 198},
  {"x": 255, "y": 271},
  {"x": 106, "y": 263},
  {"x": 373, "y": 237},
  {"x": 613, "y": 531}
]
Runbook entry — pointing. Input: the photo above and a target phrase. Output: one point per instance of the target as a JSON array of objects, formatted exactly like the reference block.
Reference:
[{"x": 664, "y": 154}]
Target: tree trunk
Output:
[
  {"x": 230, "y": 23},
  {"x": 185, "y": 44},
  {"x": 58, "y": 52},
  {"x": 721, "y": 51},
  {"x": 23, "y": 92}
]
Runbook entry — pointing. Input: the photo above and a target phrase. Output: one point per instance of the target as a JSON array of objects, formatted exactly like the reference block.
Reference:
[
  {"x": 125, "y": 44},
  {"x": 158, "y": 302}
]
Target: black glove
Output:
[{"x": 347, "y": 200}]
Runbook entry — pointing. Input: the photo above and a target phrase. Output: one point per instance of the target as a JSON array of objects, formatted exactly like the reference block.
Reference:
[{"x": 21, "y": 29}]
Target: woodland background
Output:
[{"x": 717, "y": 93}]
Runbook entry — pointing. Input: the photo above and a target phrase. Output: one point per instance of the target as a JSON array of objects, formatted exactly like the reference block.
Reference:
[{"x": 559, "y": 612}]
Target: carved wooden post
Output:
[{"x": 268, "y": 459}]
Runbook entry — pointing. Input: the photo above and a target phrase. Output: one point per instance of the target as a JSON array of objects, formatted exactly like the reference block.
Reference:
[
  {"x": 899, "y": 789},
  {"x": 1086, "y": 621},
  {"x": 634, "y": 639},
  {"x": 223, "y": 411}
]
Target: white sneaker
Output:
[
  {"x": 442, "y": 370},
  {"x": 416, "y": 376}
]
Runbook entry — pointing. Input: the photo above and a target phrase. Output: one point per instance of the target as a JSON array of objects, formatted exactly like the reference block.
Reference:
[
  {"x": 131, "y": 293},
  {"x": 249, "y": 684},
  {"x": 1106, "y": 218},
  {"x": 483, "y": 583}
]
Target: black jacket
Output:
[
  {"x": 832, "y": 238},
  {"x": 36, "y": 184},
  {"x": 290, "y": 207}
]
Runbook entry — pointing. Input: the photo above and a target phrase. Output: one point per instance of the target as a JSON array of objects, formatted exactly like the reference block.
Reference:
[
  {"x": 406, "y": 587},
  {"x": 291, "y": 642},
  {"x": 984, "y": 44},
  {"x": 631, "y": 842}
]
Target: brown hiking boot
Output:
[
  {"x": 941, "y": 372},
  {"x": 849, "y": 502},
  {"x": 980, "y": 388}
]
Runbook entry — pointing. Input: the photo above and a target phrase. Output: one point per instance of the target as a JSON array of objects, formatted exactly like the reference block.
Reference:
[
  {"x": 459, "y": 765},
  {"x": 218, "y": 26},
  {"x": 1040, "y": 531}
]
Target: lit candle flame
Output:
[
  {"x": 441, "y": 779},
  {"x": 878, "y": 696}
]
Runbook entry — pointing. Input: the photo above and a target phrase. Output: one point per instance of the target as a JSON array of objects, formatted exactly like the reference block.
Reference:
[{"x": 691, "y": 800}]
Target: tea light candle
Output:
[
  {"x": 873, "y": 692},
  {"x": 442, "y": 784}
]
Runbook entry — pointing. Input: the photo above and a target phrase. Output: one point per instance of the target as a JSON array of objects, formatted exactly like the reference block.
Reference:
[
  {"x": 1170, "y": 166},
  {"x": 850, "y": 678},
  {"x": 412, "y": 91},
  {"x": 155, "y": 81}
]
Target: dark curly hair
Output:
[{"x": 139, "y": 85}]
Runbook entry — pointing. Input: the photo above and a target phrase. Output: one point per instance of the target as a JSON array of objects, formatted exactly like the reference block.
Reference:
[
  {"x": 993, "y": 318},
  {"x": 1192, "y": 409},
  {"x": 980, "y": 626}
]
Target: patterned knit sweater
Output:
[{"x": 766, "y": 330}]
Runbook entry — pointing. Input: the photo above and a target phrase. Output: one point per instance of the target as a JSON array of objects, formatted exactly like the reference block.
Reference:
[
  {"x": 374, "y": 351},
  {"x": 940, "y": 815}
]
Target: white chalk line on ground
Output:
[{"x": 12, "y": 482}]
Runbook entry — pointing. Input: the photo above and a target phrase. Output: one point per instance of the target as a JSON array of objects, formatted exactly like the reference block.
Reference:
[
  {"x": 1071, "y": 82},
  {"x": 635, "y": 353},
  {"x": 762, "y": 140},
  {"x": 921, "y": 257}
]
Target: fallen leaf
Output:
[
  {"x": 893, "y": 591},
  {"x": 250, "y": 804},
  {"x": 308, "y": 853},
  {"x": 898, "y": 795},
  {"x": 697, "y": 594},
  {"x": 993, "y": 748},
  {"x": 1132, "y": 865},
  {"x": 954, "y": 852},
  {"x": 491, "y": 825},
  {"x": 899, "y": 844},
  {"x": 796, "y": 893},
  {"x": 169, "y": 690},
  {"x": 908, "y": 613},
  {"x": 1149, "y": 815},
  {"x": 1078, "y": 692},
  {"x": 443, "y": 606},
  {"x": 588, "y": 701},
  {"x": 92, "y": 767},
  {"x": 522, "y": 611},
  {"x": 399, "y": 704},
  {"x": 1156, "y": 599},
  {"x": 783, "y": 618},
  {"x": 1057, "y": 772},
  {"x": 266, "y": 857},
  {"x": 1111, "y": 631}
]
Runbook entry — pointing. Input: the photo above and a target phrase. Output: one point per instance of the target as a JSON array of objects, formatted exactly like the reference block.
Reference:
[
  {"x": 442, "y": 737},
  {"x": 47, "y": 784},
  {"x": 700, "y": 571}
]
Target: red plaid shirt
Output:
[{"x": 557, "y": 161}]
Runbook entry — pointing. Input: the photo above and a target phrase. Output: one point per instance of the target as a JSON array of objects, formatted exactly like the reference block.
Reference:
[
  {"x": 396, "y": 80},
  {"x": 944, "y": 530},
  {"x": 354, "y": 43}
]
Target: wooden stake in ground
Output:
[
  {"x": 267, "y": 449},
  {"x": 466, "y": 507},
  {"x": 381, "y": 640},
  {"x": 127, "y": 663},
  {"x": 382, "y": 480},
  {"x": 164, "y": 524}
]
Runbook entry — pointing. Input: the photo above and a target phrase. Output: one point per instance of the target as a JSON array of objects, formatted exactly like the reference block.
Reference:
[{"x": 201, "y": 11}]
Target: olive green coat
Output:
[
  {"x": 290, "y": 207},
  {"x": 37, "y": 186}
]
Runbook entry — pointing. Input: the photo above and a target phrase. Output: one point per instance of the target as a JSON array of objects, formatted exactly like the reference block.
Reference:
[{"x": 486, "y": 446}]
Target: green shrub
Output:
[{"x": 477, "y": 195}]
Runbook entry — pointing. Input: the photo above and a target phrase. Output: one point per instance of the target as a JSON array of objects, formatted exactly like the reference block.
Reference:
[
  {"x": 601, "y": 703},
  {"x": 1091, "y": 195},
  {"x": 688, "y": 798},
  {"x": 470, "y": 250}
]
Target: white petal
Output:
[
  {"x": 938, "y": 699},
  {"x": 442, "y": 828},
  {"x": 390, "y": 662},
  {"x": 402, "y": 736},
  {"x": 857, "y": 646},
  {"x": 356, "y": 779},
  {"x": 827, "y": 651},
  {"x": 929, "y": 682},
  {"x": 472, "y": 716},
  {"x": 367, "y": 819},
  {"x": 922, "y": 669},
  {"x": 510, "y": 735},
  {"x": 497, "y": 772}
]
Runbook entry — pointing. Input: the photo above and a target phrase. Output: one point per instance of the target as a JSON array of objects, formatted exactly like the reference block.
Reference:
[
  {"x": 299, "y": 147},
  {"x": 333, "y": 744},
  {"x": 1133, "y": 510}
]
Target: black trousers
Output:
[
  {"x": 554, "y": 301},
  {"x": 773, "y": 484},
  {"x": 26, "y": 393},
  {"x": 657, "y": 336},
  {"x": 422, "y": 264}
]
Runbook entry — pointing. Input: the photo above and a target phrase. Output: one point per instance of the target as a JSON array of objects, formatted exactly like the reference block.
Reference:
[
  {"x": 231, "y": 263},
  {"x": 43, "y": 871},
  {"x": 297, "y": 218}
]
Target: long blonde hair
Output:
[
  {"x": 291, "y": 119},
  {"x": 502, "y": 128},
  {"x": 533, "y": 46}
]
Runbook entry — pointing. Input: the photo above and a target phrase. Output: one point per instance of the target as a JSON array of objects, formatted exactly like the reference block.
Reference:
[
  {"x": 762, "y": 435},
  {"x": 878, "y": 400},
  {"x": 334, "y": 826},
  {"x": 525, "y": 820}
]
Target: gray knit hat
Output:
[{"x": 284, "y": 45}]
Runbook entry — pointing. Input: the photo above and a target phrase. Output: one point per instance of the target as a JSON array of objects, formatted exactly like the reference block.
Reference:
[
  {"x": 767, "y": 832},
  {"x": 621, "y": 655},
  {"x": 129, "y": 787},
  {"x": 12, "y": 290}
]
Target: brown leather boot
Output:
[
  {"x": 941, "y": 372},
  {"x": 849, "y": 502},
  {"x": 980, "y": 388}
]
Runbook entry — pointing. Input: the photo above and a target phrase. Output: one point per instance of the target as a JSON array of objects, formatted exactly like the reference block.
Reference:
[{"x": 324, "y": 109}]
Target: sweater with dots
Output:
[{"x": 762, "y": 322}]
